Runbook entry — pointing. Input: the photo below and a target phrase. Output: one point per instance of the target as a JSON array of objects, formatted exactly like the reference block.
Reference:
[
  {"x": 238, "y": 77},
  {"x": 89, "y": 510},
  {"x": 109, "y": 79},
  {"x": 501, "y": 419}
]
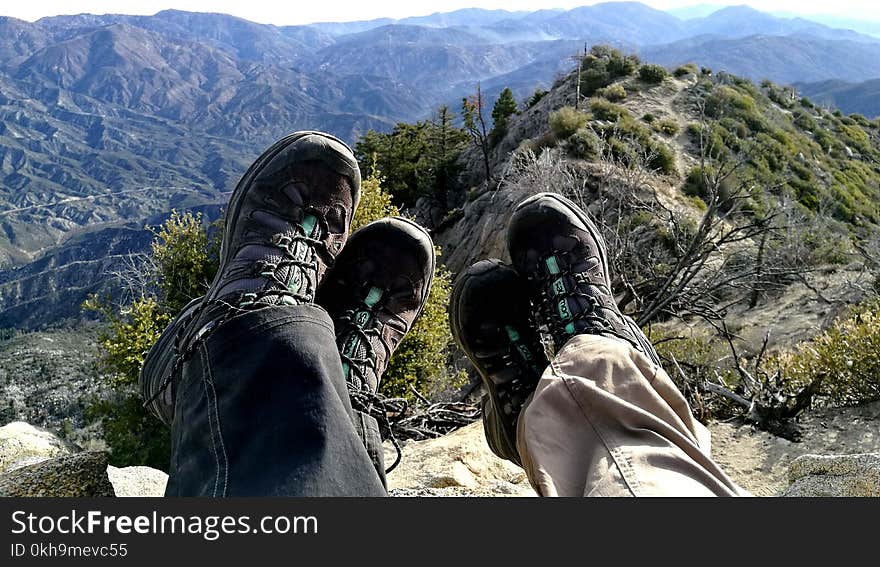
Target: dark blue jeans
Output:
[{"x": 262, "y": 409}]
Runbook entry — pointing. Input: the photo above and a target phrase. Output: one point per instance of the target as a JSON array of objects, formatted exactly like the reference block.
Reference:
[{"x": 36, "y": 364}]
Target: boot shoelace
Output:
[
  {"x": 303, "y": 244},
  {"x": 513, "y": 394},
  {"x": 299, "y": 255},
  {"x": 553, "y": 304},
  {"x": 357, "y": 332}
]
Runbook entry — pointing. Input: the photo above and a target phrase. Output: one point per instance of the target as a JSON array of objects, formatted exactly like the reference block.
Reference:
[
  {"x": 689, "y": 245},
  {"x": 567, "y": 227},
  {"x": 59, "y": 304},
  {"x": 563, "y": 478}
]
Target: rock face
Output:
[
  {"x": 22, "y": 444},
  {"x": 458, "y": 464},
  {"x": 35, "y": 462},
  {"x": 844, "y": 475},
  {"x": 70, "y": 476},
  {"x": 137, "y": 481}
]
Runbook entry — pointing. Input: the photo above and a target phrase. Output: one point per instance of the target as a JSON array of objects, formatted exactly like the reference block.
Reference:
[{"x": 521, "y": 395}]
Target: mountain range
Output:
[{"x": 108, "y": 122}]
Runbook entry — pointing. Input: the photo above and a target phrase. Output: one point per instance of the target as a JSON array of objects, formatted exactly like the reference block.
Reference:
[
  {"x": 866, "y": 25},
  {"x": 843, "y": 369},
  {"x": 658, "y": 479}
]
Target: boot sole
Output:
[{"x": 458, "y": 291}]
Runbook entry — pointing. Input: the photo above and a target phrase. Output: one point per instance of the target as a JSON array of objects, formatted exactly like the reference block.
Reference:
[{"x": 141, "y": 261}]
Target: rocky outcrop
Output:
[
  {"x": 22, "y": 444},
  {"x": 137, "y": 481},
  {"x": 458, "y": 464},
  {"x": 843, "y": 475},
  {"x": 36, "y": 462},
  {"x": 71, "y": 476}
]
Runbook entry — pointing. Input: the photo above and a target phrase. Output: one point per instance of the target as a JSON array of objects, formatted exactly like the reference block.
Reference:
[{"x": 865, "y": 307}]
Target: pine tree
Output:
[{"x": 504, "y": 108}]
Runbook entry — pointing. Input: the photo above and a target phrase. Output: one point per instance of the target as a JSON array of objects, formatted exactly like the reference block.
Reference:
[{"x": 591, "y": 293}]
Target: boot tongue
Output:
[{"x": 354, "y": 348}]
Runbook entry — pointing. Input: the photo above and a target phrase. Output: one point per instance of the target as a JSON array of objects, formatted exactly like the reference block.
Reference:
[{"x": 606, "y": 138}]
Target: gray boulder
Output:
[
  {"x": 843, "y": 475},
  {"x": 70, "y": 476}
]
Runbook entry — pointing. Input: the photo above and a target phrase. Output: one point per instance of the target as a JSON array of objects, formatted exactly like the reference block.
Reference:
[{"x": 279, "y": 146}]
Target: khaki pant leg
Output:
[{"x": 606, "y": 421}]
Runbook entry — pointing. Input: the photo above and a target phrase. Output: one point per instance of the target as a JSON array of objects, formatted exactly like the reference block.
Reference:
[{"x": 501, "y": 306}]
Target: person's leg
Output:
[
  {"x": 606, "y": 420},
  {"x": 262, "y": 402},
  {"x": 262, "y": 409}
]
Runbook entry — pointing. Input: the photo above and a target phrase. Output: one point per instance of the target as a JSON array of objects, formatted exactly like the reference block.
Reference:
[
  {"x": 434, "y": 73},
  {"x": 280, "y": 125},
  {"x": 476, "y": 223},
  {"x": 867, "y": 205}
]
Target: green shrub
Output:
[
  {"x": 584, "y": 144},
  {"x": 617, "y": 64},
  {"x": 783, "y": 96},
  {"x": 614, "y": 93},
  {"x": 712, "y": 137},
  {"x": 860, "y": 119},
  {"x": 667, "y": 126},
  {"x": 695, "y": 186},
  {"x": 846, "y": 357},
  {"x": 374, "y": 204},
  {"x": 566, "y": 121},
  {"x": 605, "y": 110},
  {"x": 687, "y": 69},
  {"x": 649, "y": 118},
  {"x": 602, "y": 66},
  {"x": 732, "y": 101},
  {"x": 653, "y": 74},
  {"x": 805, "y": 121},
  {"x": 184, "y": 258},
  {"x": 594, "y": 77},
  {"x": 662, "y": 159},
  {"x": 807, "y": 103}
]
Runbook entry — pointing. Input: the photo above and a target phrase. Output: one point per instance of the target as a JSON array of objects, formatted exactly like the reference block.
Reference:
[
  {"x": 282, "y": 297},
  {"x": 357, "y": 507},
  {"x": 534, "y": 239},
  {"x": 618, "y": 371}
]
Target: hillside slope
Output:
[{"x": 814, "y": 172}]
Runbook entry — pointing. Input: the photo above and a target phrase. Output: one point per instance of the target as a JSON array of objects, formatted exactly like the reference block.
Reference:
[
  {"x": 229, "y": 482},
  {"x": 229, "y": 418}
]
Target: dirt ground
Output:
[{"x": 759, "y": 461}]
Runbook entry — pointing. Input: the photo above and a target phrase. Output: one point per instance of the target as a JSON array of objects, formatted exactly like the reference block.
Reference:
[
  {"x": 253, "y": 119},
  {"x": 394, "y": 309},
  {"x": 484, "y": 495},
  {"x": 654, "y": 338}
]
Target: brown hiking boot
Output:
[
  {"x": 287, "y": 220},
  {"x": 490, "y": 320},
  {"x": 374, "y": 294},
  {"x": 556, "y": 247}
]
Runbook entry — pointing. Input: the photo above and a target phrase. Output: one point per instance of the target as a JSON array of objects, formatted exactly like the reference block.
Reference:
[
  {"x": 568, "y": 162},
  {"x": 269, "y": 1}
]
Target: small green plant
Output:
[
  {"x": 667, "y": 126},
  {"x": 537, "y": 97},
  {"x": 687, "y": 69},
  {"x": 584, "y": 144},
  {"x": 566, "y": 121},
  {"x": 653, "y": 74},
  {"x": 185, "y": 262},
  {"x": 613, "y": 93},
  {"x": 603, "y": 65},
  {"x": 846, "y": 358},
  {"x": 605, "y": 110}
]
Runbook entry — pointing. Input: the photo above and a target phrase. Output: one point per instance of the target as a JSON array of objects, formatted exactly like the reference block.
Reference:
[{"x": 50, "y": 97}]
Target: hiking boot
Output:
[
  {"x": 286, "y": 222},
  {"x": 374, "y": 294},
  {"x": 556, "y": 247},
  {"x": 158, "y": 365},
  {"x": 490, "y": 320}
]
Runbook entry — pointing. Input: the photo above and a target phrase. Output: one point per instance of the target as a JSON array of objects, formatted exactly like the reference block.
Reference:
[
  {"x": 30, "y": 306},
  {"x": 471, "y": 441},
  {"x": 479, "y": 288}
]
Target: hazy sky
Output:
[{"x": 282, "y": 12}]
